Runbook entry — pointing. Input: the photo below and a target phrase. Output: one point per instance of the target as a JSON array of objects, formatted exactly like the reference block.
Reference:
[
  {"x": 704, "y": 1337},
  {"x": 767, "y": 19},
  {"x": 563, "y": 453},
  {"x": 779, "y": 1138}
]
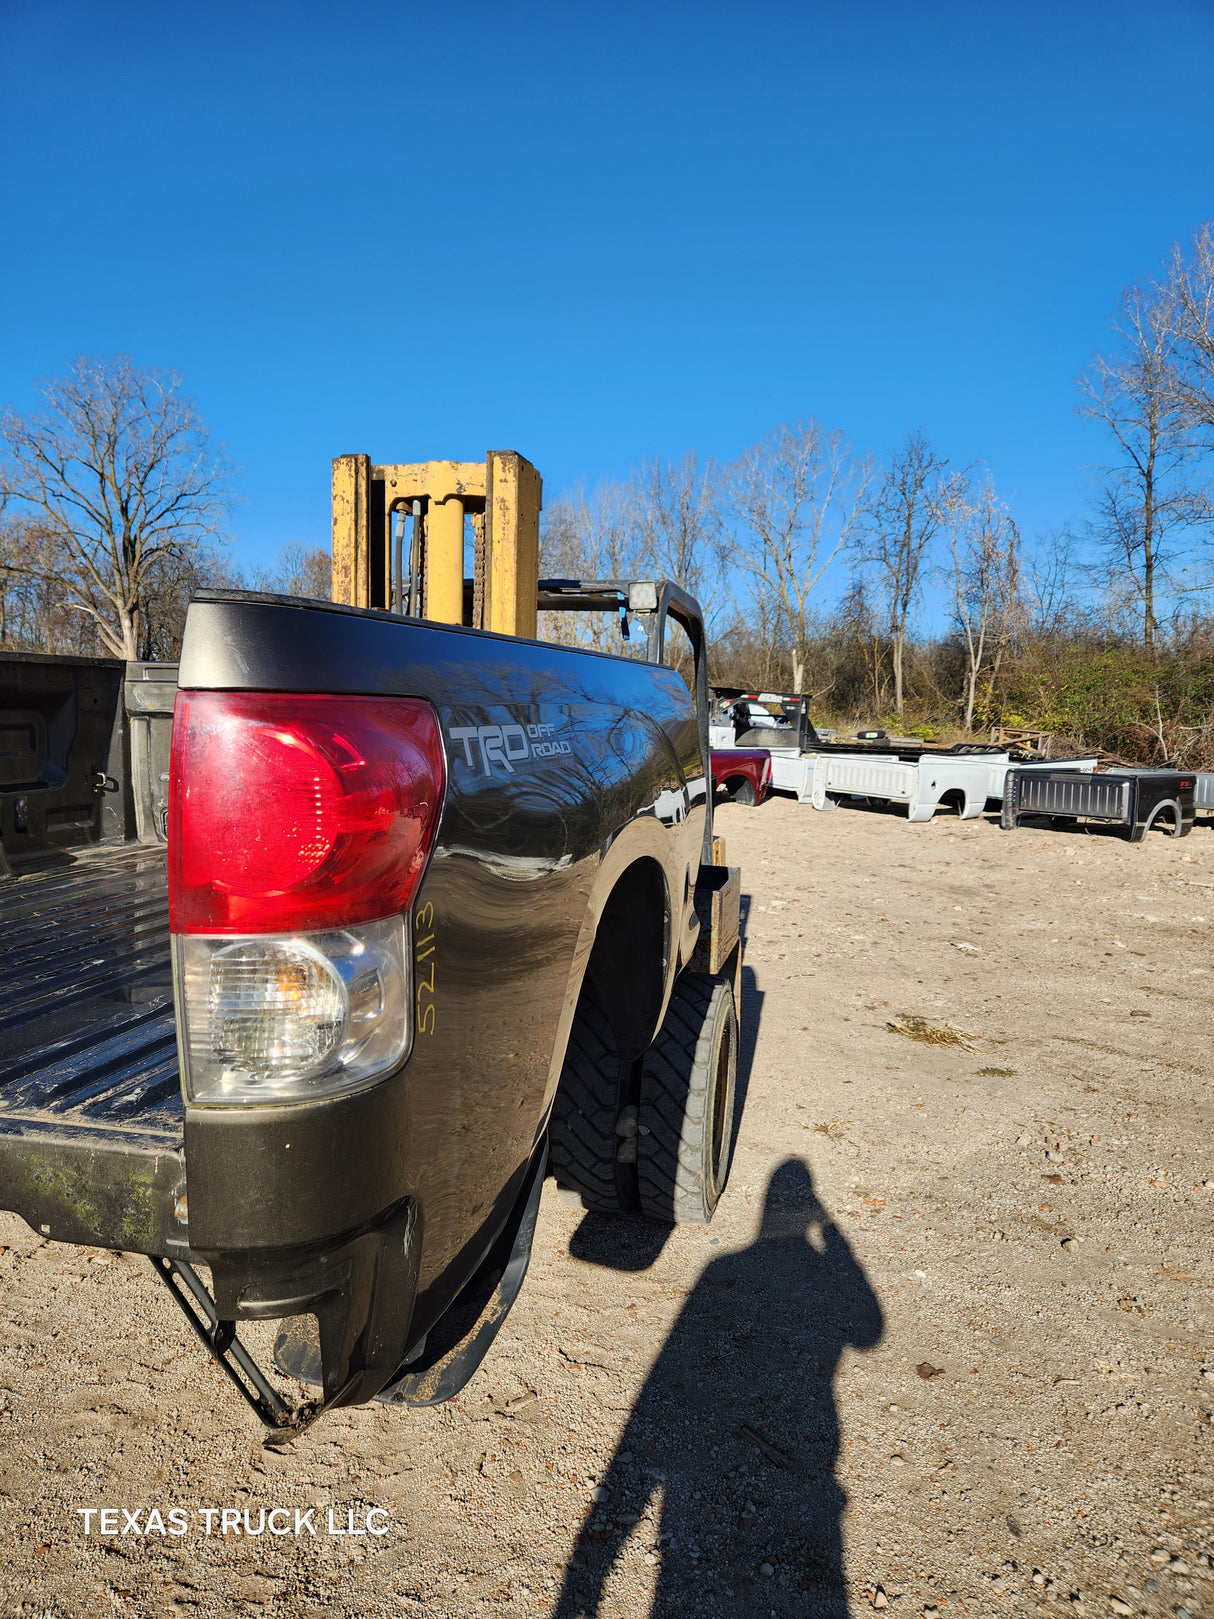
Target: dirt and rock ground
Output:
[{"x": 944, "y": 1350}]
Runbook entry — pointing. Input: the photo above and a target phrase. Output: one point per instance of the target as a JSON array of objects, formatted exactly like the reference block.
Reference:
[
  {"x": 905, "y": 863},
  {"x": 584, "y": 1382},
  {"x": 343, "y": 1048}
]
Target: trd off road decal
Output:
[{"x": 503, "y": 746}]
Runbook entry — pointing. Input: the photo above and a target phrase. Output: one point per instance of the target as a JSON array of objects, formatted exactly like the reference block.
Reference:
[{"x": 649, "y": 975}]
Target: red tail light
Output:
[{"x": 291, "y": 813}]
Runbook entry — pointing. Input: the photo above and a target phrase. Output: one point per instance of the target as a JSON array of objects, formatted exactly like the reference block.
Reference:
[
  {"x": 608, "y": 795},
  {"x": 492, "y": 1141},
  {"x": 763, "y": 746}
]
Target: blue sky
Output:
[{"x": 596, "y": 233}]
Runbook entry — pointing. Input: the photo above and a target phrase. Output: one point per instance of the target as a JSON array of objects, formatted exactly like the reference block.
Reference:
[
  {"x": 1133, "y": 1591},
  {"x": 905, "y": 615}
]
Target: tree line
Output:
[
  {"x": 1097, "y": 631},
  {"x": 813, "y": 559}
]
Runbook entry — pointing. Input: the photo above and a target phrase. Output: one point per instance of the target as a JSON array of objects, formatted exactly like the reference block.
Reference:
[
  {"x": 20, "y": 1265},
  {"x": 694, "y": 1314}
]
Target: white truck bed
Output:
[
  {"x": 919, "y": 784},
  {"x": 793, "y": 772},
  {"x": 922, "y": 784}
]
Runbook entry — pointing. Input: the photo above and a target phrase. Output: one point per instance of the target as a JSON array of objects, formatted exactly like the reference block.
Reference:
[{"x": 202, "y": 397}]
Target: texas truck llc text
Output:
[{"x": 117, "y": 1521}]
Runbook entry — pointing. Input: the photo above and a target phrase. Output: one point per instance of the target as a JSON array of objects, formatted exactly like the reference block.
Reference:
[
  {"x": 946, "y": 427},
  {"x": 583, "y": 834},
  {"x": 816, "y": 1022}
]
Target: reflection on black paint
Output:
[{"x": 756, "y": 1346}]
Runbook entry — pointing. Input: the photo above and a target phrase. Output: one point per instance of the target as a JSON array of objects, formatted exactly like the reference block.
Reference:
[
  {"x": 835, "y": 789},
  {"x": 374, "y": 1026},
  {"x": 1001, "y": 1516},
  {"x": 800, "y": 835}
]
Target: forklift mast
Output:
[{"x": 399, "y": 545}]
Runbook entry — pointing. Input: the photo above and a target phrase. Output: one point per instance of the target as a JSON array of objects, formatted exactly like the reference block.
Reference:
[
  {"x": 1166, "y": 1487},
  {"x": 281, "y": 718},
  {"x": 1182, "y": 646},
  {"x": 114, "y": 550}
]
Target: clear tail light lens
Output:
[
  {"x": 299, "y": 828},
  {"x": 287, "y": 1017}
]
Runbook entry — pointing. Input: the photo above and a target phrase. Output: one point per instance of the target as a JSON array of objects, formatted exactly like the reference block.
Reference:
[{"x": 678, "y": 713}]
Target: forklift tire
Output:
[
  {"x": 583, "y": 1145},
  {"x": 686, "y": 1113}
]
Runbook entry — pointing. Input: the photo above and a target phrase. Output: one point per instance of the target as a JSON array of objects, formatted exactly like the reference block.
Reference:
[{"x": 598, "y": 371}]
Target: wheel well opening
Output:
[
  {"x": 626, "y": 973},
  {"x": 1166, "y": 816},
  {"x": 953, "y": 799}
]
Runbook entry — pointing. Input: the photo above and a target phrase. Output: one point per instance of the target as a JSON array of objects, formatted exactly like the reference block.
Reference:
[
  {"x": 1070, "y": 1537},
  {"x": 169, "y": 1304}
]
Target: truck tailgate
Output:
[{"x": 90, "y": 1103}]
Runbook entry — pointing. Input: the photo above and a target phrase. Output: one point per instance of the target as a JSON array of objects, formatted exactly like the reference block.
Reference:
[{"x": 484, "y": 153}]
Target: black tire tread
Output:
[
  {"x": 581, "y": 1133},
  {"x": 674, "y": 1112}
]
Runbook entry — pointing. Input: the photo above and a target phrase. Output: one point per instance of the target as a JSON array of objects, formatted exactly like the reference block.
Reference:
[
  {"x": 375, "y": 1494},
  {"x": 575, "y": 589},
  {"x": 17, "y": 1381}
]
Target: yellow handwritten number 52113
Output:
[{"x": 423, "y": 951}]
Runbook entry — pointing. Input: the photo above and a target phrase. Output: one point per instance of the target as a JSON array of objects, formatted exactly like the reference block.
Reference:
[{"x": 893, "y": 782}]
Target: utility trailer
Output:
[
  {"x": 1136, "y": 799},
  {"x": 791, "y": 741}
]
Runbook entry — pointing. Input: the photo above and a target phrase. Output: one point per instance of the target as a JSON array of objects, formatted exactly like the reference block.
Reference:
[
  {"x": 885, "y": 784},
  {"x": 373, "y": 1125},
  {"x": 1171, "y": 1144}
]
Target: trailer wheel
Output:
[
  {"x": 582, "y": 1143},
  {"x": 686, "y": 1114}
]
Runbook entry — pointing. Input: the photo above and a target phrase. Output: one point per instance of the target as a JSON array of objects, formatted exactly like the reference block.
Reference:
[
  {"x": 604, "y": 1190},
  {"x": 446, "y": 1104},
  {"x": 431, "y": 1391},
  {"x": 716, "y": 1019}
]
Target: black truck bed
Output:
[{"x": 91, "y": 1114}]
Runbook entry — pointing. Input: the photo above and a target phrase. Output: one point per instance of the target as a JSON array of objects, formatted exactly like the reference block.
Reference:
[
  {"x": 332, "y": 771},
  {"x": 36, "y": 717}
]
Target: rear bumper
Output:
[
  {"x": 103, "y": 1190},
  {"x": 441, "y": 1360},
  {"x": 306, "y": 1210},
  {"x": 361, "y": 1289}
]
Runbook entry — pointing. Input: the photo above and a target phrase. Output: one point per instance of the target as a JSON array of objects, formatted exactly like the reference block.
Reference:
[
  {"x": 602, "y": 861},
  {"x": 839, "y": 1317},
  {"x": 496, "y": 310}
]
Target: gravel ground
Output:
[{"x": 944, "y": 1349}]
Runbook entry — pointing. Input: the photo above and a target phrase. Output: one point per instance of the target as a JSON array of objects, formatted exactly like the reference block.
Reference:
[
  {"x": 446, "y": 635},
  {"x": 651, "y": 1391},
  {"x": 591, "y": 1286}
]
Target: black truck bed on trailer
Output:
[{"x": 91, "y": 1113}]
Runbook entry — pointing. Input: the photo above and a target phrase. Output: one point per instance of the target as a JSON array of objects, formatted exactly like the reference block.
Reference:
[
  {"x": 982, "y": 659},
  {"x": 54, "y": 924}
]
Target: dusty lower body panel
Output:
[{"x": 90, "y": 1101}]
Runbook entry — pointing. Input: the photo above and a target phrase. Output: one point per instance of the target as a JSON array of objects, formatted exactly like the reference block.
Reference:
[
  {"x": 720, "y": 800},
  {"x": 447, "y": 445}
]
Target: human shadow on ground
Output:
[
  {"x": 628, "y": 1242},
  {"x": 725, "y": 1472}
]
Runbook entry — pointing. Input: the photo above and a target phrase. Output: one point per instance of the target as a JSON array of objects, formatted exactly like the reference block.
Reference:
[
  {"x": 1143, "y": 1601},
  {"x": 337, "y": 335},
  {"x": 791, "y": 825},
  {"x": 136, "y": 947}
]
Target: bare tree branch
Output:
[
  {"x": 1148, "y": 490},
  {"x": 122, "y": 478},
  {"x": 903, "y": 520},
  {"x": 1190, "y": 290},
  {"x": 677, "y": 509},
  {"x": 593, "y": 537},
  {"x": 797, "y": 499},
  {"x": 983, "y": 545}
]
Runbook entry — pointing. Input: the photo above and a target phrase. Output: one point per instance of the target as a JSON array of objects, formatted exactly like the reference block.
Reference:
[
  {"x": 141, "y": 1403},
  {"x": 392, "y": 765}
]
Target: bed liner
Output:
[{"x": 91, "y": 1115}]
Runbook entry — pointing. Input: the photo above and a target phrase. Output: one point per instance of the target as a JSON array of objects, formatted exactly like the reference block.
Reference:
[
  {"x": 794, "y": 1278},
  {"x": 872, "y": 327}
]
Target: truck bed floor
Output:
[{"x": 87, "y": 1042}]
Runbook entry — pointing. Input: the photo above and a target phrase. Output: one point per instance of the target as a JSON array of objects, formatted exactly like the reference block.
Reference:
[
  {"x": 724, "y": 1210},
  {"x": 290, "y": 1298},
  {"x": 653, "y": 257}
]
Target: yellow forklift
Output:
[{"x": 401, "y": 539}]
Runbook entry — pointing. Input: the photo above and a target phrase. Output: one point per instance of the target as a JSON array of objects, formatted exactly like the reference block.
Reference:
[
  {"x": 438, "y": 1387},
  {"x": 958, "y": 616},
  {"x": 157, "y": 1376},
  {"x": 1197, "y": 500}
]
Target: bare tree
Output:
[
  {"x": 1190, "y": 294},
  {"x": 168, "y": 588},
  {"x": 35, "y": 611},
  {"x": 1148, "y": 491},
  {"x": 679, "y": 525},
  {"x": 1050, "y": 580},
  {"x": 297, "y": 570},
  {"x": 983, "y": 544},
  {"x": 857, "y": 632},
  {"x": 797, "y": 499},
  {"x": 589, "y": 538},
  {"x": 123, "y": 481},
  {"x": 904, "y": 518},
  {"x": 16, "y": 587}
]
